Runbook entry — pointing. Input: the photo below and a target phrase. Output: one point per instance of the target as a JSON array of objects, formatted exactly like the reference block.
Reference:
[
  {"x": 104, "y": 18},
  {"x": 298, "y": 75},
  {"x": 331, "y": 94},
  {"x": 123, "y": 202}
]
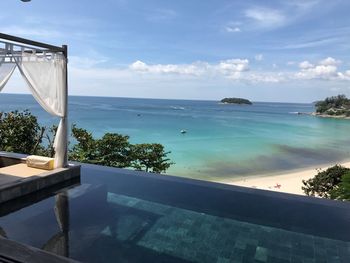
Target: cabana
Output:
[{"x": 44, "y": 69}]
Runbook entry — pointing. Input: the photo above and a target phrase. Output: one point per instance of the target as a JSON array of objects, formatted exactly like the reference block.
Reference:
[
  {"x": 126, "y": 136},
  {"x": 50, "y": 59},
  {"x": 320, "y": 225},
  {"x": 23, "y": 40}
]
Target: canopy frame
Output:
[{"x": 30, "y": 46}]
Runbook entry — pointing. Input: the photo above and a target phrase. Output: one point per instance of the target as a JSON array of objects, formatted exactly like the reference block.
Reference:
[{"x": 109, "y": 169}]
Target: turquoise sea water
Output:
[{"x": 222, "y": 141}]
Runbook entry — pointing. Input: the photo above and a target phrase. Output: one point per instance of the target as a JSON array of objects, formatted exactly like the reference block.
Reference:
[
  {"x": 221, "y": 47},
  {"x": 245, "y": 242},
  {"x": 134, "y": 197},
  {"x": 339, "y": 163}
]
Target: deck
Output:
[
  {"x": 17, "y": 180},
  {"x": 13, "y": 252}
]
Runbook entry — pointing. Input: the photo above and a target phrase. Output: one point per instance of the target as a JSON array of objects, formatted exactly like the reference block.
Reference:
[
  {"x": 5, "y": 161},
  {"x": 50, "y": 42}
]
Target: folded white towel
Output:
[{"x": 40, "y": 162}]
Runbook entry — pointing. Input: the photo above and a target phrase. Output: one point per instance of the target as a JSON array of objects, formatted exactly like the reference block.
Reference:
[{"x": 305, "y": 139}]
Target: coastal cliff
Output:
[{"x": 334, "y": 107}]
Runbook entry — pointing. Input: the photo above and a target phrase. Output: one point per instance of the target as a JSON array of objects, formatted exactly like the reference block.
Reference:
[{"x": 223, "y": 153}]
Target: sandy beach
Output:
[{"x": 287, "y": 182}]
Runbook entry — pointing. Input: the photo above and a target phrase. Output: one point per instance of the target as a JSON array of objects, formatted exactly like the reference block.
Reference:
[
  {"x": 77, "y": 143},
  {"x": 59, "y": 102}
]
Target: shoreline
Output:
[
  {"x": 344, "y": 117},
  {"x": 289, "y": 182}
]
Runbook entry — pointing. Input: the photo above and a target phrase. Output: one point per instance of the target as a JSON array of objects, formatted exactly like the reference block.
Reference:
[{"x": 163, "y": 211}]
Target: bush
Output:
[
  {"x": 150, "y": 157},
  {"x": 336, "y": 105},
  {"x": 325, "y": 181},
  {"x": 342, "y": 190},
  {"x": 115, "y": 150},
  {"x": 20, "y": 132},
  {"x": 85, "y": 150}
]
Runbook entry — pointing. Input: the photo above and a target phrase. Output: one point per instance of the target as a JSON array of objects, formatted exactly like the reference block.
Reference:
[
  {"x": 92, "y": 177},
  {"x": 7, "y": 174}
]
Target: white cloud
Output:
[
  {"x": 233, "y": 65},
  {"x": 305, "y": 65},
  {"x": 139, "y": 66},
  {"x": 262, "y": 17},
  {"x": 325, "y": 69},
  {"x": 344, "y": 75},
  {"x": 330, "y": 62},
  {"x": 231, "y": 29},
  {"x": 142, "y": 78},
  {"x": 184, "y": 69},
  {"x": 239, "y": 69},
  {"x": 234, "y": 69},
  {"x": 226, "y": 67},
  {"x": 259, "y": 57},
  {"x": 265, "y": 17}
]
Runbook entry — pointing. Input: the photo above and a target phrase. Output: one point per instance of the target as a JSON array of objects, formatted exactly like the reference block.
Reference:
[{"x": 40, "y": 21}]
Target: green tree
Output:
[
  {"x": 150, "y": 157},
  {"x": 342, "y": 190},
  {"x": 20, "y": 132},
  {"x": 335, "y": 105},
  {"x": 111, "y": 150},
  {"x": 325, "y": 181},
  {"x": 50, "y": 135},
  {"x": 114, "y": 150},
  {"x": 85, "y": 149}
]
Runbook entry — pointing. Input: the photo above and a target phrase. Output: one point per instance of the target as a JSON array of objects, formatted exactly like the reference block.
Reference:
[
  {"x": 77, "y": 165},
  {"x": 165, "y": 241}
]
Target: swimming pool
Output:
[{"x": 116, "y": 215}]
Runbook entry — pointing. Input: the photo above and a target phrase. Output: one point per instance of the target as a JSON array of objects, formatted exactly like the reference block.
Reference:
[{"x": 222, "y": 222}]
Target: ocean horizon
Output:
[{"x": 222, "y": 141}]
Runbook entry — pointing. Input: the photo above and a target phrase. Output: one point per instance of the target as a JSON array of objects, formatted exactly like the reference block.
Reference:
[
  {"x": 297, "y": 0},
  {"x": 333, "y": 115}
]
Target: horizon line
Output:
[{"x": 218, "y": 100}]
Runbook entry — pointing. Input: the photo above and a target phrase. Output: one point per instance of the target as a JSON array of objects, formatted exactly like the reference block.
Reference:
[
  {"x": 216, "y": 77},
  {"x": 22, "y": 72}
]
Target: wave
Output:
[{"x": 177, "y": 108}]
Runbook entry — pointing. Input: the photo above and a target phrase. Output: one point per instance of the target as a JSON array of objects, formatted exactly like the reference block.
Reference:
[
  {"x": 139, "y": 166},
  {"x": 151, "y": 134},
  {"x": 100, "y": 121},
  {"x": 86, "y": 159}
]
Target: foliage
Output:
[
  {"x": 20, "y": 132},
  {"x": 236, "y": 101},
  {"x": 49, "y": 136},
  {"x": 325, "y": 181},
  {"x": 150, "y": 157},
  {"x": 336, "y": 105},
  {"x": 111, "y": 150},
  {"x": 342, "y": 190},
  {"x": 115, "y": 150},
  {"x": 85, "y": 150}
]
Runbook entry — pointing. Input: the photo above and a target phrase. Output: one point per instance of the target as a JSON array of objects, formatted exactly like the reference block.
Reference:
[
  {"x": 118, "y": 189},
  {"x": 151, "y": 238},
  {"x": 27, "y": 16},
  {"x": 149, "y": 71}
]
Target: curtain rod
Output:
[
  {"x": 27, "y": 48},
  {"x": 31, "y": 43}
]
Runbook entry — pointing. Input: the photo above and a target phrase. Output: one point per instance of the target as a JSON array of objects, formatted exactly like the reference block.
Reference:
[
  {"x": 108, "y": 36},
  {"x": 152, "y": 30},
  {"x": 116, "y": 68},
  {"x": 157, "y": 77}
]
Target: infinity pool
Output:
[{"x": 116, "y": 215}]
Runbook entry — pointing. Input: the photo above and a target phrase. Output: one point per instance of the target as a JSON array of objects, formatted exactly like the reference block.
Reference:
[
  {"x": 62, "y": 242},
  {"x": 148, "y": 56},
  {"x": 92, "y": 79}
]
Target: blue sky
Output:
[{"x": 295, "y": 51}]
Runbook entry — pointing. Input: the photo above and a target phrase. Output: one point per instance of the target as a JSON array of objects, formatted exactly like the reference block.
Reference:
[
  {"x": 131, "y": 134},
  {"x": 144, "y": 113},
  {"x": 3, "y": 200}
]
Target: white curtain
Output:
[
  {"x": 46, "y": 79},
  {"x": 6, "y": 68}
]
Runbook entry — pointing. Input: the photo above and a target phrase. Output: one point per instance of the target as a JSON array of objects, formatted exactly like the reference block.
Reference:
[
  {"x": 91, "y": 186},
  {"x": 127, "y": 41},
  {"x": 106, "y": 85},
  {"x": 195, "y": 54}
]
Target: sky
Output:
[{"x": 286, "y": 51}]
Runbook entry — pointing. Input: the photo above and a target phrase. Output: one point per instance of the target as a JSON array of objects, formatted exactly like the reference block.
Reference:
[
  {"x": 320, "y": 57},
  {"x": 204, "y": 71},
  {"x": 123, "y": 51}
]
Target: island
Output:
[
  {"x": 236, "y": 101},
  {"x": 335, "y": 106}
]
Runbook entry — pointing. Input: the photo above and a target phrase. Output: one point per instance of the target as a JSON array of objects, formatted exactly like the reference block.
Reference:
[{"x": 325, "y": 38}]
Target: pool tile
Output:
[{"x": 196, "y": 237}]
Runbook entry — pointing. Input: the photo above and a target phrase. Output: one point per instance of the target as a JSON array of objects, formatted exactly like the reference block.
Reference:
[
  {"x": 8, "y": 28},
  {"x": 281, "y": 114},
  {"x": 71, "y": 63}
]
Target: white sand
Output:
[{"x": 287, "y": 182}]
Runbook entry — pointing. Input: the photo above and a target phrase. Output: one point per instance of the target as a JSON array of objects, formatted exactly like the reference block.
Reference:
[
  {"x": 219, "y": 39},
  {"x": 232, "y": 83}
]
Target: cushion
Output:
[{"x": 40, "y": 162}]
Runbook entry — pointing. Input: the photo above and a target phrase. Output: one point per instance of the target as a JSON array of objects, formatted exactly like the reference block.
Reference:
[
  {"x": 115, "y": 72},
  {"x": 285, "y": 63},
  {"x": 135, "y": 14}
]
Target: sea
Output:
[{"x": 221, "y": 141}]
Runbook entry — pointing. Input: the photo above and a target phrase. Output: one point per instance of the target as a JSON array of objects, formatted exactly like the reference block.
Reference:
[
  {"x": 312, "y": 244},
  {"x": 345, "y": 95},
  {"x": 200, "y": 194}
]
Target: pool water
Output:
[{"x": 115, "y": 215}]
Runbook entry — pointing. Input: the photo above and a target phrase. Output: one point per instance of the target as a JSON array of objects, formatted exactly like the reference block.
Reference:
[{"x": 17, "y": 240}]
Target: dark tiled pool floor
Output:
[
  {"x": 195, "y": 237},
  {"x": 125, "y": 229}
]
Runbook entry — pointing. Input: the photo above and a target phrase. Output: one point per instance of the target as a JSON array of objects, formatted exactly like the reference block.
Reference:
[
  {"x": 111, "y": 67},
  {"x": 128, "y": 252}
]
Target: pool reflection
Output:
[{"x": 125, "y": 216}]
